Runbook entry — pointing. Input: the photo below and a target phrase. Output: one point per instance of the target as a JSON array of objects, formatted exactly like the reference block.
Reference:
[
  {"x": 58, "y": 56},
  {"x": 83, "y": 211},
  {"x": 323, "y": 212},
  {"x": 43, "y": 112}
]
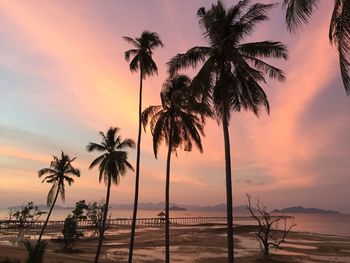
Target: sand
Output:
[{"x": 199, "y": 244}]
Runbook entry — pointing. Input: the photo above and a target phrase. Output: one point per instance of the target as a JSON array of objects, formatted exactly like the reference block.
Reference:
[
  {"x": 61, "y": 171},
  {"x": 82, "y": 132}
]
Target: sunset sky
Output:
[{"x": 63, "y": 78}]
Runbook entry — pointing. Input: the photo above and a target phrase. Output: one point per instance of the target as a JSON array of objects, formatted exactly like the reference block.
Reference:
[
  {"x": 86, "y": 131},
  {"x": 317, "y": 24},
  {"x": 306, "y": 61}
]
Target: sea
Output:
[{"x": 328, "y": 224}]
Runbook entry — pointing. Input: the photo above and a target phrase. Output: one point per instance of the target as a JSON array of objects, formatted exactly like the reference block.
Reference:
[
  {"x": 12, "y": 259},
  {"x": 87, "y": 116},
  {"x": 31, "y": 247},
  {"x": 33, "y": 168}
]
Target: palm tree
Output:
[
  {"x": 57, "y": 174},
  {"x": 298, "y": 13},
  {"x": 142, "y": 60},
  {"x": 232, "y": 72},
  {"x": 112, "y": 164},
  {"x": 178, "y": 122}
]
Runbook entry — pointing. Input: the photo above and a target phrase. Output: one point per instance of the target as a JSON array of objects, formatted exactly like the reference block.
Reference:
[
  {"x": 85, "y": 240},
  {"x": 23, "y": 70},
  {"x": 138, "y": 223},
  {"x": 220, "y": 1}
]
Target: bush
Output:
[
  {"x": 70, "y": 233},
  {"x": 35, "y": 252},
  {"x": 95, "y": 212}
]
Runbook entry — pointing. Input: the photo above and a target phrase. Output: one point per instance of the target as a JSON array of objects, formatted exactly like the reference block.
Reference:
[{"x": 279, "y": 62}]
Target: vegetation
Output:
[
  {"x": 298, "y": 13},
  {"x": 95, "y": 212},
  {"x": 26, "y": 216},
  {"x": 142, "y": 61},
  {"x": 268, "y": 234},
  {"x": 70, "y": 229},
  {"x": 178, "y": 122},
  {"x": 35, "y": 251},
  {"x": 232, "y": 72},
  {"x": 230, "y": 78},
  {"x": 112, "y": 164},
  {"x": 57, "y": 174}
]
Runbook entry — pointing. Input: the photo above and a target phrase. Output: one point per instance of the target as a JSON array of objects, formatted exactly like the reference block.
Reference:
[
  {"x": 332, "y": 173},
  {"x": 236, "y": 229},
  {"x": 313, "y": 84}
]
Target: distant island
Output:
[
  {"x": 187, "y": 207},
  {"x": 303, "y": 210},
  {"x": 41, "y": 207},
  {"x": 176, "y": 208},
  {"x": 183, "y": 207},
  {"x": 154, "y": 206}
]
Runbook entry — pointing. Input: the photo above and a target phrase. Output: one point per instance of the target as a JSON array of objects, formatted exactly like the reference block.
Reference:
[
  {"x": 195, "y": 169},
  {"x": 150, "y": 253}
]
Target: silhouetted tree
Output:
[
  {"x": 298, "y": 13},
  {"x": 70, "y": 228},
  {"x": 142, "y": 61},
  {"x": 112, "y": 164},
  {"x": 57, "y": 174},
  {"x": 269, "y": 234},
  {"x": 25, "y": 216},
  {"x": 232, "y": 71},
  {"x": 178, "y": 122},
  {"x": 94, "y": 213}
]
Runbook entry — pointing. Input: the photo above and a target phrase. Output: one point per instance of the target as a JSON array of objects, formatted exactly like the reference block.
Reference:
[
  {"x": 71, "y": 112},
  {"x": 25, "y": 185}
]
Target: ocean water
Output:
[{"x": 333, "y": 224}]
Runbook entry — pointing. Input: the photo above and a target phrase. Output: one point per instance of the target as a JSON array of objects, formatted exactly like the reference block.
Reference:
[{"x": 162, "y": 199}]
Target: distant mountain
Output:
[
  {"x": 161, "y": 205},
  {"x": 177, "y": 208},
  {"x": 41, "y": 207},
  {"x": 141, "y": 206},
  {"x": 303, "y": 210}
]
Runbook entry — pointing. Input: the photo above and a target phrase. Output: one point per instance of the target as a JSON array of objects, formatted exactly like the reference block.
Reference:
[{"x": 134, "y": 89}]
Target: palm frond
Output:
[
  {"x": 73, "y": 171},
  {"x": 264, "y": 49},
  {"x": 344, "y": 59},
  {"x": 51, "y": 194},
  {"x": 257, "y": 12},
  {"x": 191, "y": 58},
  {"x": 97, "y": 161},
  {"x": 95, "y": 147},
  {"x": 339, "y": 34},
  {"x": 44, "y": 171},
  {"x": 271, "y": 71},
  {"x": 134, "y": 64},
  {"x": 132, "y": 41},
  {"x": 126, "y": 143},
  {"x": 149, "y": 67},
  {"x": 62, "y": 192},
  {"x": 148, "y": 113},
  {"x": 158, "y": 132},
  {"x": 298, "y": 12},
  {"x": 189, "y": 125},
  {"x": 127, "y": 164},
  {"x": 129, "y": 53},
  {"x": 236, "y": 10},
  {"x": 50, "y": 178}
]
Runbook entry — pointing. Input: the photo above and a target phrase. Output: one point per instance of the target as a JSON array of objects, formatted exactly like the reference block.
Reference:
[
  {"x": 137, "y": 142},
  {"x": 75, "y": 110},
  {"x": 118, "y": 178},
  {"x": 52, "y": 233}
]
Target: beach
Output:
[{"x": 202, "y": 243}]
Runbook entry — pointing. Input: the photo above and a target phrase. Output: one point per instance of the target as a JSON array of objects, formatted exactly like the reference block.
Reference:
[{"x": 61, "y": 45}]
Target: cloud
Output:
[{"x": 64, "y": 77}]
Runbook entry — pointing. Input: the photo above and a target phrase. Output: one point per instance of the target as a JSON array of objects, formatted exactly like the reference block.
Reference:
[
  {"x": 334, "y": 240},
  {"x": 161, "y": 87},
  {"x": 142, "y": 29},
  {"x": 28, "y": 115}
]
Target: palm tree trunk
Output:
[
  {"x": 167, "y": 187},
  {"x": 104, "y": 221},
  {"x": 229, "y": 202},
  {"x": 48, "y": 215},
  {"x": 137, "y": 178}
]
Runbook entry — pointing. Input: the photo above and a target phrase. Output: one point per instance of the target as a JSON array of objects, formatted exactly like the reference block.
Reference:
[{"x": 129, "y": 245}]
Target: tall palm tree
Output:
[
  {"x": 142, "y": 61},
  {"x": 112, "y": 164},
  {"x": 298, "y": 13},
  {"x": 178, "y": 122},
  {"x": 57, "y": 174},
  {"x": 232, "y": 72}
]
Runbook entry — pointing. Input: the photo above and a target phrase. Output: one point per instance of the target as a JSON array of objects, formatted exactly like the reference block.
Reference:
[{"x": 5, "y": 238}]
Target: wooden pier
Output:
[{"x": 115, "y": 222}]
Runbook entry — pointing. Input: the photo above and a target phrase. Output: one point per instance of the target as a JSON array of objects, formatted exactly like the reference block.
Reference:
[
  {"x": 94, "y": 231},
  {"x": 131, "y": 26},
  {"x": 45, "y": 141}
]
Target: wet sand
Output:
[{"x": 199, "y": 244}]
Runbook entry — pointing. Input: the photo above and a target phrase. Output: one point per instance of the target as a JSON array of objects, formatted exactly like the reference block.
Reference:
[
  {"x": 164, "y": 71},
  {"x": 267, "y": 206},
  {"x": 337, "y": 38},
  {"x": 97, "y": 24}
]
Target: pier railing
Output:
[{"x": 115, "y": 222}]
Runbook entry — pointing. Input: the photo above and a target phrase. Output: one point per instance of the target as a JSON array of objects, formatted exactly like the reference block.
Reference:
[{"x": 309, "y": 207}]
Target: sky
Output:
[{"x": 63, "y": 78}]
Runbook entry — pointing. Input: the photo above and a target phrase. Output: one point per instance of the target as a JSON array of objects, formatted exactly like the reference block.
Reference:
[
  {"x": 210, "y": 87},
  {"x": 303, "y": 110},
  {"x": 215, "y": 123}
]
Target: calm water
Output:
[{"x": 316, "y": 223}]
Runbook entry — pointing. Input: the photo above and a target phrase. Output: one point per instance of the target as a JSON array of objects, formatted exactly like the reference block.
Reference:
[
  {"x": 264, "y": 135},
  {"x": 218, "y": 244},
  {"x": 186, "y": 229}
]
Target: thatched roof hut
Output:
[{"x": 161, "y": 214}]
